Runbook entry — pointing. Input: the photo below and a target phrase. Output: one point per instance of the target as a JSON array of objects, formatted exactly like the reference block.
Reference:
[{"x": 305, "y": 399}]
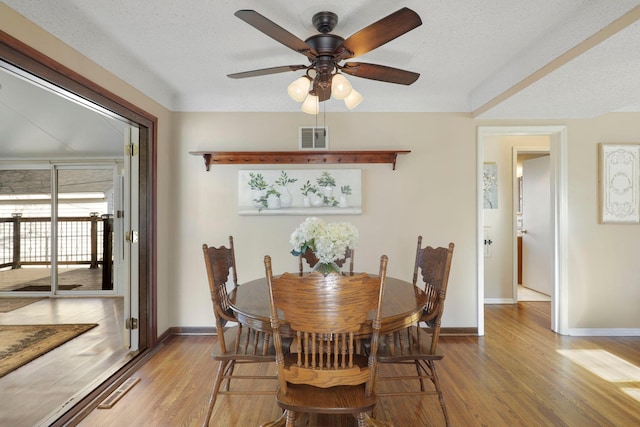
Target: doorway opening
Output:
[
  {"x": 77, "y": 89},
  {"x": 531, "y": 210},
  {"x": 558, "y": 168}
]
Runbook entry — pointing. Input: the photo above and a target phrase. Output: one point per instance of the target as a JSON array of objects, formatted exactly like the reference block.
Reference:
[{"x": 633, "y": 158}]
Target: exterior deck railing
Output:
[{"x": 81, "y": 240}]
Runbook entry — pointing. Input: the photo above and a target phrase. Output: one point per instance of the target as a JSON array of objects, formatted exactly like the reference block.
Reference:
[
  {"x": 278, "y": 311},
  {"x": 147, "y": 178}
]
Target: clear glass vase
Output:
[{"x": 326, "y": 268}]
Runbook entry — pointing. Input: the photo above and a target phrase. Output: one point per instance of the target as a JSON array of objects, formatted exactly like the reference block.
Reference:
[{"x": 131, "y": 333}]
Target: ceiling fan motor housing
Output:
[
  {"x": 325, "y": 63},
  {"x": 324, "y": 44},
  {"x": 325, "y": 22}
]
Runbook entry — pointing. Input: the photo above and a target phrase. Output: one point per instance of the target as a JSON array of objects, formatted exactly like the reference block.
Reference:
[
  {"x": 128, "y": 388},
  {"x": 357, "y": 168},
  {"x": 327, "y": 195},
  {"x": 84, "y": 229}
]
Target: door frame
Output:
[
  {"x": 130, "y": 226},
  {"x": 65, "y": 80},
  {"x": 559, "y": 216}
]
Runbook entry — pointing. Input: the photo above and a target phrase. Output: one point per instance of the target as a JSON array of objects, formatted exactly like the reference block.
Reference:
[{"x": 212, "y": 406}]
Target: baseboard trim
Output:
[
  {"x": 499, "y": 301},
  {"x": 458, "y": 332},
  {"x": 604, "y": 332},
  {"x": 165, "y": 336},
  {"x": 192, "y": 330}
]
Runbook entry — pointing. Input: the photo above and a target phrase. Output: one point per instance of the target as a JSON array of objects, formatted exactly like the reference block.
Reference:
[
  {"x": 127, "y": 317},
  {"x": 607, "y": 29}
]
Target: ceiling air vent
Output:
[{"x": 313, "y": 138}]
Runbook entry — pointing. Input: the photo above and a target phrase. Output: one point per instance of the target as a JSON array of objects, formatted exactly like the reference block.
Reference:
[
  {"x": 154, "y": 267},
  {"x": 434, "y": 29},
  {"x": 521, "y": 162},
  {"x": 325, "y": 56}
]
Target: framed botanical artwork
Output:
[
  {"x": 618, "y": 183},
  {"x": 490, "y": 186},
  {"x": 300, "y": 192}
]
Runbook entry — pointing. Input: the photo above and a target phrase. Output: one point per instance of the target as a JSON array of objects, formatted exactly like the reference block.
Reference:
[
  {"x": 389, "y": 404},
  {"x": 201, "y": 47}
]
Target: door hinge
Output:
[
  {"x": 131, "y": 150},
  {"x": 131, "y": 236},
  {"x": 132, "y": 323}
]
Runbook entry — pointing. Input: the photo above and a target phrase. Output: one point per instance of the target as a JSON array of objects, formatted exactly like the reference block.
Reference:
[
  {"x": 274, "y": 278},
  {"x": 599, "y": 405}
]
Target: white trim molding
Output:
[
  {"x": 604, "y": 332},
  {"x": 499, "y": 301}
]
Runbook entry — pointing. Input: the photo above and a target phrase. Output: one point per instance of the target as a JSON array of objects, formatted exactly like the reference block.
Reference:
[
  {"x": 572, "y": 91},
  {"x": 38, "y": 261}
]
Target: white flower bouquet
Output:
[{"x": 328, "y": 241}]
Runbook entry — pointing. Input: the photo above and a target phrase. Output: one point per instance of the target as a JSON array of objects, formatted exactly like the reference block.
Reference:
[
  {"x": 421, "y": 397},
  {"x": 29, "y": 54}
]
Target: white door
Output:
[
  {"x": 130, "y": 247},
  {"x": 536, "y": 225}
]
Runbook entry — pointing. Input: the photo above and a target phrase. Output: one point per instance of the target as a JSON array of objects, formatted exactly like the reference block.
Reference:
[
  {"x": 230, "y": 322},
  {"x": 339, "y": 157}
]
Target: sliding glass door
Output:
[
  {"x": 85, "y": 203},
  {"x": 25, "y": 229},
  {"x": 57, "y": 229}
]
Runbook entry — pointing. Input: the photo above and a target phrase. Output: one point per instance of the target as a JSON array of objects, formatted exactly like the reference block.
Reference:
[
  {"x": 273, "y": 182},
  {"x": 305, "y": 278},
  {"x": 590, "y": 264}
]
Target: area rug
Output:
[
  {"x": 20, "y": 344},
  {"x": 10, "y": 304}
]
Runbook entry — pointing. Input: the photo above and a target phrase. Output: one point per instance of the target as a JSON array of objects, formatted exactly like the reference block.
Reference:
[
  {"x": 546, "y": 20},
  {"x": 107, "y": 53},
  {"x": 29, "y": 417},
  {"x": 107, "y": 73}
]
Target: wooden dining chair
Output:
[
  {"x": 237, "y": 343},
  {"x": 311, "y": 259},
  {"x": 323, "y": 374},
  {"x": 417, "y": 344}
]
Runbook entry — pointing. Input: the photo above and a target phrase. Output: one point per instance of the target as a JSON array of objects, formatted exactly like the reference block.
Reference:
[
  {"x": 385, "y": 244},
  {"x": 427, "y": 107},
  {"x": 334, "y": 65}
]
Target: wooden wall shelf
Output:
[{"x": 298, "y": 157}]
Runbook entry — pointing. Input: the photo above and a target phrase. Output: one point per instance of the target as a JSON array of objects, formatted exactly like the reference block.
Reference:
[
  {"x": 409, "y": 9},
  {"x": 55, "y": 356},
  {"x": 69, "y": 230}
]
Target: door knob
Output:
[{"x": 524, "y": 231}]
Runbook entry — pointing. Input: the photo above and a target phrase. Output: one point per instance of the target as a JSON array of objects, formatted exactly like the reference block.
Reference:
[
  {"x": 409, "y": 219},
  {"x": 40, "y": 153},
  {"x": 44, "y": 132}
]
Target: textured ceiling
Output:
[{"x": 493, "y": 58}]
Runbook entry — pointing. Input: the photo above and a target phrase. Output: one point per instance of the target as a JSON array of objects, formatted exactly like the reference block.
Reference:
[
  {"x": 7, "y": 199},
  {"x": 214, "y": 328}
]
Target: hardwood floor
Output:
[
  {"x": 528, "y": 294},
  {"x": 34, "y": 393},
  {"x": 519, "y": 374}
]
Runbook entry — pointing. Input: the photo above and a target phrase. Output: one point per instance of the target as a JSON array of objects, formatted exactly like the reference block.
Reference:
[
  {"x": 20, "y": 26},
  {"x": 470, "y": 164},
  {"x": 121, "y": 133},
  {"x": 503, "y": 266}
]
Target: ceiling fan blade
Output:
[
  {"x": 380, "y": 72},
  {"x": 379, "y": 33},
  {"x": 266, "y": 71},
  {"x": 276, "y": 32}
]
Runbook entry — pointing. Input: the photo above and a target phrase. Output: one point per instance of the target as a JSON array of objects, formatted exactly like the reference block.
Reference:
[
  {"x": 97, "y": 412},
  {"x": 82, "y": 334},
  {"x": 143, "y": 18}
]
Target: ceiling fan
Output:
[{"x": 326, "y": 53}]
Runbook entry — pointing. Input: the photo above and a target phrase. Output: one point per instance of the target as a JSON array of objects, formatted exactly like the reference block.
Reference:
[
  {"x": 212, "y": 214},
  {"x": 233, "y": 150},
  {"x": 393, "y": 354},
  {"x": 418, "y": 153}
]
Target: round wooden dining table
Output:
[{"x": 402, "y": 304}]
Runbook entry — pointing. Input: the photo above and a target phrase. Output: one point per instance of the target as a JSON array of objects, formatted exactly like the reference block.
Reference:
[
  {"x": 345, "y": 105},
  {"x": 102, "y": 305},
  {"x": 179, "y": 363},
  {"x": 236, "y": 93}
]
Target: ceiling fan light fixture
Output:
[
  {"x": 353, "y": 100},
  {"x": 299, "y": 89},
  {"x": 326, "y": 51},
  {"x": 340, "y": 86},
  {"x": 311, "y": 104}
]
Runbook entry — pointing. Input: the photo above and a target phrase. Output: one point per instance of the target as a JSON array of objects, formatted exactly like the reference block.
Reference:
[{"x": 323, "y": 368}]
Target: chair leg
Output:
[
  {"x": 291, "y": 418},
  {"x": 222, "y": 367},
  {"x": 436, "y": 382},
  {"x": 228, "y": 372},
  {"x": 364, "y": 420},
  {"x": 420, "y": 375}
]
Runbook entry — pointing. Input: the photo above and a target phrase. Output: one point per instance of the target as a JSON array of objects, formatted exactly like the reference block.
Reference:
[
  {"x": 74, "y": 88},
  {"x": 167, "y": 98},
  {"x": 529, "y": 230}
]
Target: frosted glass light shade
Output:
[
  {"x": 311, "y": 104},
  {"x": 340, "y": 86},
  {"x": 353, "y": 100},
  {"x": 299, "y": 89}
]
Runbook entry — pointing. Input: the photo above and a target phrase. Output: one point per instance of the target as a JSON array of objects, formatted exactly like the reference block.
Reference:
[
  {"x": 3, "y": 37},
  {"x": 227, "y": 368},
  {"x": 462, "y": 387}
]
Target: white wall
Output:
[
  {"x": 431, "y": 192},
  {"x": 604, "y": 276}
]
